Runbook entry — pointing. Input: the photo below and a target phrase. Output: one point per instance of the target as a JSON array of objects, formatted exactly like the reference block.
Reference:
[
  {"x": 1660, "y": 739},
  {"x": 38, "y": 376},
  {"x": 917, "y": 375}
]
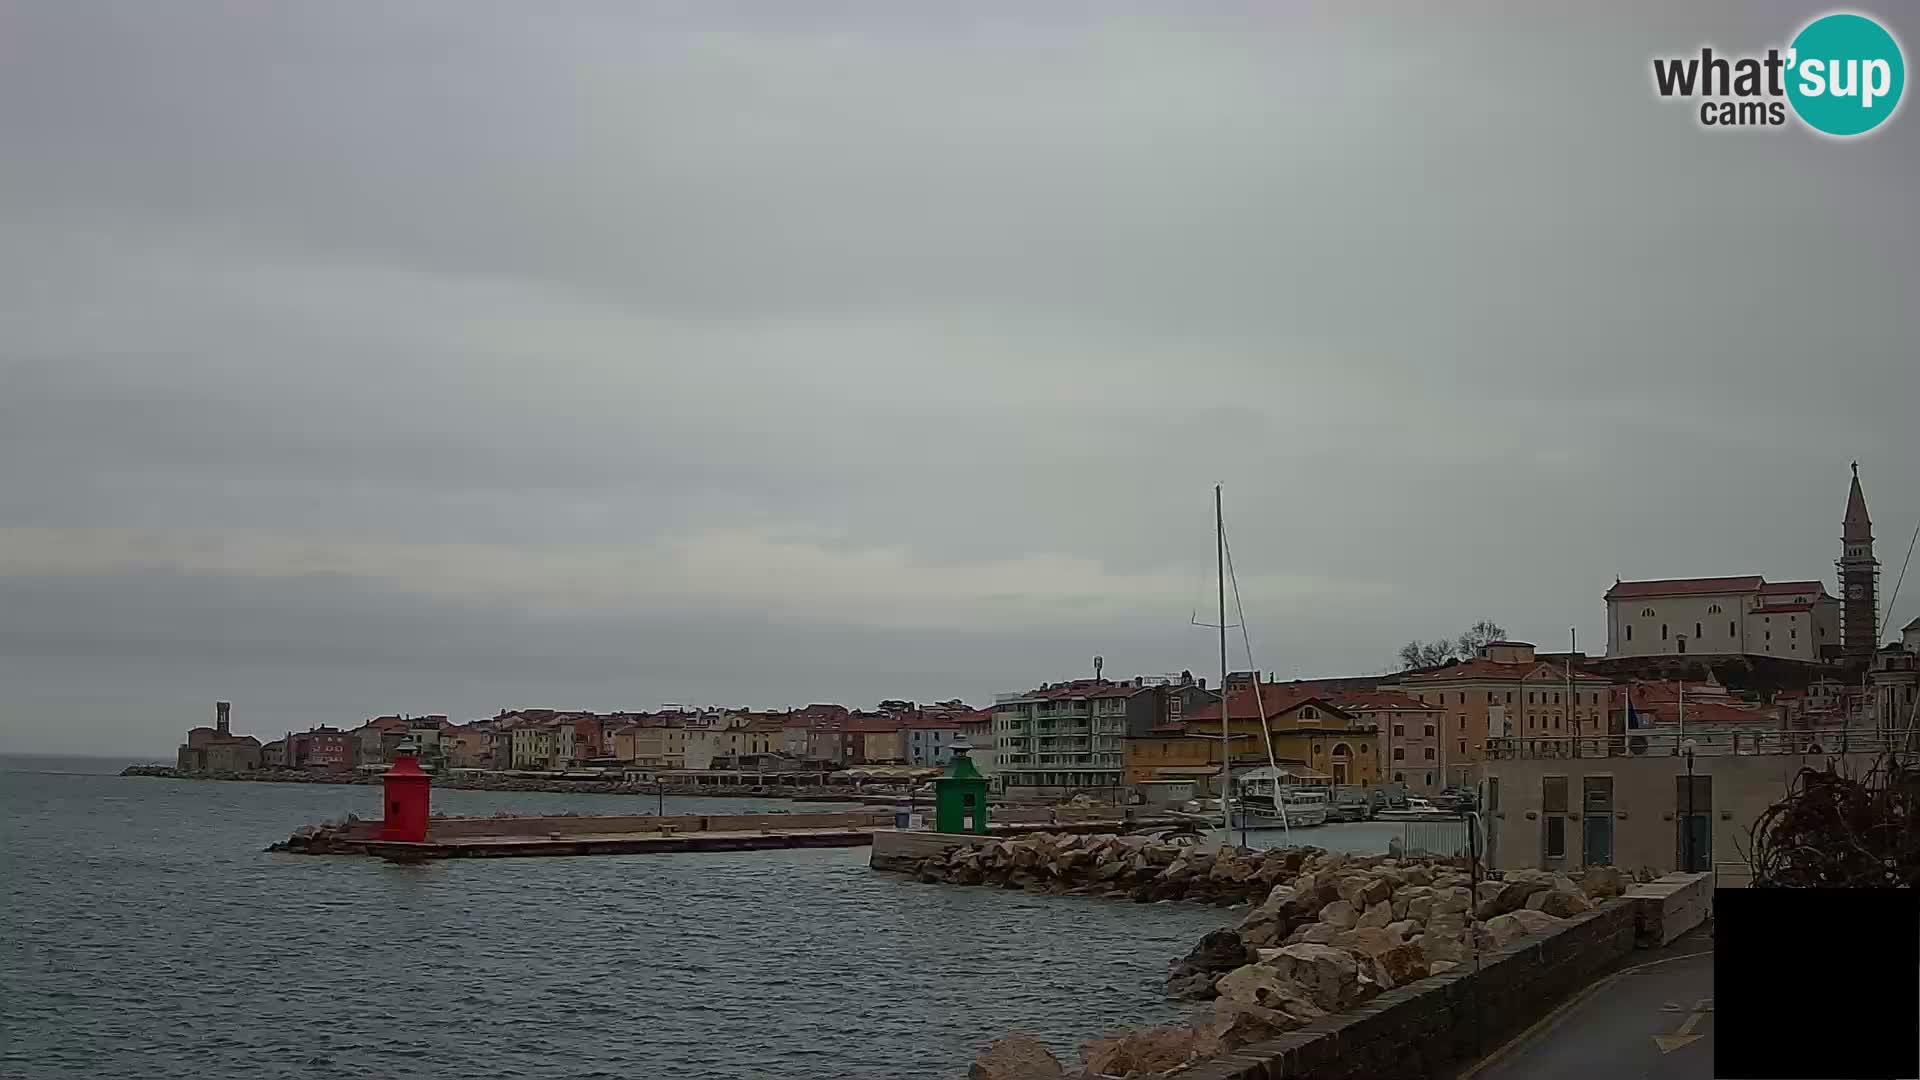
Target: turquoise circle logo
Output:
[{"x": 1846, "y": 74}]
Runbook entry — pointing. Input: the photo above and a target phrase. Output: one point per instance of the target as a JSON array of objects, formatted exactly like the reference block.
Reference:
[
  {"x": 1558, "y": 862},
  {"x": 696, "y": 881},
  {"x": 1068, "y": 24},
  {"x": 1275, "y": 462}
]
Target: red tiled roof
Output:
[
  {"x": 1707, "y": 712},
  {"x": 1277, "y": 698},
  {"x": 1776, "y": 587},
  {"x": 872, "y": 725},
  {"x": 1357, "y": 701},
  {"x": 925, "y": 722},
  {"x": 1483, "y": 669},
  {"x": 1685, "y": 586}
]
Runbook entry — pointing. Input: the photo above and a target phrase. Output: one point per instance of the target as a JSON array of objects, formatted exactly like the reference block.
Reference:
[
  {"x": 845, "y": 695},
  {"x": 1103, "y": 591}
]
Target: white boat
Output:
[
  {"x": 1416, "y": 810},
  {"x": 1303, "y": 806}
]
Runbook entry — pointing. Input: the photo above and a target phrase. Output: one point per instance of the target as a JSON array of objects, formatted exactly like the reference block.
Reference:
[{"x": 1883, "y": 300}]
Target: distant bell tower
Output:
[
  {"x": 1859, "y": 579},
  {"x": 221, "y": 709}
]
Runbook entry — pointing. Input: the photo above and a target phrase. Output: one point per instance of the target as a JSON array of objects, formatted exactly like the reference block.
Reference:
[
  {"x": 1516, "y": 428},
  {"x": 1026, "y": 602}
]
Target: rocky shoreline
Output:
[
  {"x": 514, "y": 783},
  {"x": 1327, "y": 932}
]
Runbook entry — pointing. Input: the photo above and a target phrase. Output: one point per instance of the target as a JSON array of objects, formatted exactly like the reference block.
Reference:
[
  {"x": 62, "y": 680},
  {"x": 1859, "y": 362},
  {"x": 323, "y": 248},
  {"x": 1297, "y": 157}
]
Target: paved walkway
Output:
[{"x": 1654, "y": 1020}]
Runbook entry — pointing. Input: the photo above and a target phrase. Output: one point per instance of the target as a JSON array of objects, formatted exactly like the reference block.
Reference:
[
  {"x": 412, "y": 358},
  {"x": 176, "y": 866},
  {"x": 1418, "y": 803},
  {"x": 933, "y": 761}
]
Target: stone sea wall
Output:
[{"x": 1326, "y": 933}]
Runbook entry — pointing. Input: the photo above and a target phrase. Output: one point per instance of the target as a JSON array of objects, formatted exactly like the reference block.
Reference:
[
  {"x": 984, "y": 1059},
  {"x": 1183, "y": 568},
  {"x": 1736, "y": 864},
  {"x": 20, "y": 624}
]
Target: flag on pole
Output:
[{"x": 1635, "y": 720}]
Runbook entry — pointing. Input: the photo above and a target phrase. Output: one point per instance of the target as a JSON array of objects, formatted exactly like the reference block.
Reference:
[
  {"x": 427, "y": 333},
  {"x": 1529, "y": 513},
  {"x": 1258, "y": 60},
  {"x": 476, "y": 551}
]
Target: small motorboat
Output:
[{"x": 1417, "y": 809}]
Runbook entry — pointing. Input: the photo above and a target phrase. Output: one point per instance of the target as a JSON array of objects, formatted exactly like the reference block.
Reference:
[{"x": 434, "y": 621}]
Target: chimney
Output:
[
  {"x": 1203, "y": 683},
  {"x": 220, "y": 711}
]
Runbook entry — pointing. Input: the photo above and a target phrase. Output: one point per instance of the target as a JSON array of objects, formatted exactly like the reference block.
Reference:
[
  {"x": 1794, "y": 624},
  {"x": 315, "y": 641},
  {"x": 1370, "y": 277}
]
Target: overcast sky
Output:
[{"x": 457, "y": 356}]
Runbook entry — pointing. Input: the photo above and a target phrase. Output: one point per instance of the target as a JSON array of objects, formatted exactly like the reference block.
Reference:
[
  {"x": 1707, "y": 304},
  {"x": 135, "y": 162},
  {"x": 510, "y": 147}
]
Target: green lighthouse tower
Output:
[{"x": 960, "y": 797}]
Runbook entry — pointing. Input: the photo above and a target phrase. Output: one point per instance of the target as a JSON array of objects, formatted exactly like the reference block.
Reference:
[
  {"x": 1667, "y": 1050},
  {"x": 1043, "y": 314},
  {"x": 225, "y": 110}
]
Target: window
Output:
[
  {"x": 1629, "y": 631},
  {"x": 1553, "y": 811},
  {"x": 1463, "y": 697},
  {"x": 1529, "y": 721},
  {"x": 1429, "y": 731},
  {"x": 1463, "y": 748},
  {"x": 1399, "y": 729},
  {"x": 1173, "y": 706},
  {"x": 1646, "y": 613},
  {"x": 1399, "y": 753},
  {"x": 1713, "y": 609},
  {"x": 1308, "y": 713},
  {"x": 1430, "y": 756},
  {"x": 1769, "y": 635},
  {"x": 1490, "y": 697},
  {"x": 1795, "y": 634},
  {"x": 1399, "y": 778},
  {"x": 1529, "y": 697},
  {"x": 1730, "y": 629},
  {"x": 1663, "y": 631},
  {"x": 1556, "y": 697},
  {"x": 1509, "y": 697},
  {"x": 1697, "y": 632}
]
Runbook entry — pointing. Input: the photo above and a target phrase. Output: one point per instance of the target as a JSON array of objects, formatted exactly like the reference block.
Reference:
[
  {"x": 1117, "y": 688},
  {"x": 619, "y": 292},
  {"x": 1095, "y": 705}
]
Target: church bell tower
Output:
[{"x": 1859, "y": 579}]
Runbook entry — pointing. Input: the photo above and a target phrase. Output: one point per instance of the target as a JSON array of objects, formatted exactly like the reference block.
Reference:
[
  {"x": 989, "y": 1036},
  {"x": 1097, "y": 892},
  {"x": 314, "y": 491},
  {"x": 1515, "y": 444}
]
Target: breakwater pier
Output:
[{"x": 569, "y": 835}]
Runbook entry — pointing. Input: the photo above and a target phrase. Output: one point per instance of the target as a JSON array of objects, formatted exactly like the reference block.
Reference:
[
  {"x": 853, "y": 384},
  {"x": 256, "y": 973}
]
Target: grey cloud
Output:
[{"x": 1457, "y": 310}]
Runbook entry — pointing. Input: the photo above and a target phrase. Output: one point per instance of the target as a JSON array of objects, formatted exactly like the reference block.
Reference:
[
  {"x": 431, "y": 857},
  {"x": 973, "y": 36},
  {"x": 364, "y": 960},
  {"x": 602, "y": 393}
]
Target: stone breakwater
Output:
[
  {"x": 1327, "y": 932},
  {"x": 494, "y": 782}
]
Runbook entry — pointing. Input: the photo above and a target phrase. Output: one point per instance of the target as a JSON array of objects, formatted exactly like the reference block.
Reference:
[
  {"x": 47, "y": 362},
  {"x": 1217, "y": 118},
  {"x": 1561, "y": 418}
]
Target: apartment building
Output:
[{"x": 1506, "y": 692}]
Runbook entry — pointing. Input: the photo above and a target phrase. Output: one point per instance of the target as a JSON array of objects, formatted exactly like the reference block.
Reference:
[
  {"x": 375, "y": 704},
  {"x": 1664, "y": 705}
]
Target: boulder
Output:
[
  {"x": 1263, "y": 933},
  {"x": 1403, "y": 929},
  {"x": 1226, "y": 1026},
  {"x": 1148, "y": 1050},
  {"x": 1404, "y": 963},
  {"x": 1370, "y": 940},
  {"x": 1317, "y": 933},
  {"x": 1450, "y": 900},
  {"x": 1418, "y": 875},
  {"x": 1378, "y": 890},
  {"x": 1330, "y": 976},
  {"x": 1420, "y": 908},
  {"x": 1377, "y": 916},
  {"x": 1505, "y": 929},
  {"x": 1016, "y": 1057},
  {"x": 1341, "y": 914},
  {"x": 1600, "y": 882},
  {"x": 1441, "y": 967},
  {"x": 1565, "y": 903},
  {"x": 1220, "y": 950},
  {"x": 1262, "y": 984},
  {"x": 1353, "y": 889},
  {"x": 1195, "y": 986}
]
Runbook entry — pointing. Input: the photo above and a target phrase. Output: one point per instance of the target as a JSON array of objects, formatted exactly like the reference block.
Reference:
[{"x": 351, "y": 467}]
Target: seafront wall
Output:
[{"x": 500, "y": 782}]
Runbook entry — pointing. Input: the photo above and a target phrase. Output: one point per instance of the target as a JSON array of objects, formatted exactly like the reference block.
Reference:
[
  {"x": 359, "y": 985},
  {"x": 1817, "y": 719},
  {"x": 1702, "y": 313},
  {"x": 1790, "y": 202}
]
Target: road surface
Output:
[{"x": 1653, "y": 1020}]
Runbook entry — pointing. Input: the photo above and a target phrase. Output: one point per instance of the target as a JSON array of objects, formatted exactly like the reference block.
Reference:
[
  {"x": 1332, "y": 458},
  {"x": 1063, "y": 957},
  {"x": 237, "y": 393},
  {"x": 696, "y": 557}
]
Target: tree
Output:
[
  {"x": 1430, "y": 654},
  {"x": 1477, "y": 637}
]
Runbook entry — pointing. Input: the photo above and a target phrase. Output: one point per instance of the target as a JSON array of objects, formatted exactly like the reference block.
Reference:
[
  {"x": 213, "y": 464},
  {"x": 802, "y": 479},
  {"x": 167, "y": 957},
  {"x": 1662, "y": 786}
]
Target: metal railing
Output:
[{"x": 1673, "y": 743}]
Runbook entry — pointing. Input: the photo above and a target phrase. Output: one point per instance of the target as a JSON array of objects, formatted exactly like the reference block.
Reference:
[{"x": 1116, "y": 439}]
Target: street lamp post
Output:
[{"x": 1686, "y": 845}]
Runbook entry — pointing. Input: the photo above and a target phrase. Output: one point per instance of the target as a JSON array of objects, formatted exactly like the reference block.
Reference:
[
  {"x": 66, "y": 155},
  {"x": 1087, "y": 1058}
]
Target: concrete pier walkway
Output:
[
  {"x": 1651, "y": 1020},
  {"x": 487, "y": 838}
]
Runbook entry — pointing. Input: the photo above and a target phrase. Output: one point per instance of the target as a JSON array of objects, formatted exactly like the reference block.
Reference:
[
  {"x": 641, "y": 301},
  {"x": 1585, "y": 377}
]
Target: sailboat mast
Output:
[{"x": 1226, "y": 733}]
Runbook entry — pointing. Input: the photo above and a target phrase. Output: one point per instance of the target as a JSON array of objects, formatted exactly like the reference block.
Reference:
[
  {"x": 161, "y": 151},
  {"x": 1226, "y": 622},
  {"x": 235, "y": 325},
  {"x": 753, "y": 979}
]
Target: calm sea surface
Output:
[{"x": 145, "y": 933}]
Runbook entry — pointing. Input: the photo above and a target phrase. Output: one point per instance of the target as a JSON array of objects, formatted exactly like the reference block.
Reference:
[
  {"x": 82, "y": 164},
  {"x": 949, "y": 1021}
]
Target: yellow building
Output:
[
  {"x": 1506, "y": 693},
  {"x": 1313, "y": 738}
]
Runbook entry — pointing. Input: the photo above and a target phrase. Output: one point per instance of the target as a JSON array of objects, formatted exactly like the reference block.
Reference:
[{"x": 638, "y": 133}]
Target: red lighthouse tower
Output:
[{"x": 407, "y": 802}]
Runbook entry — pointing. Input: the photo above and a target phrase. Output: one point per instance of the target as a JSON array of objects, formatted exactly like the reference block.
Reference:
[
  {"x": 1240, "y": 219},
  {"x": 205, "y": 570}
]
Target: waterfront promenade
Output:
[{"x": 1653, "y": 1019}]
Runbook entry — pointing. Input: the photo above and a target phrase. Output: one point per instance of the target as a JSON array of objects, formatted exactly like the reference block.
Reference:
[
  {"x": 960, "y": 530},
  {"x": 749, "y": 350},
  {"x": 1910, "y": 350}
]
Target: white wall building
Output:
[{"x": 1794, "y": 620}]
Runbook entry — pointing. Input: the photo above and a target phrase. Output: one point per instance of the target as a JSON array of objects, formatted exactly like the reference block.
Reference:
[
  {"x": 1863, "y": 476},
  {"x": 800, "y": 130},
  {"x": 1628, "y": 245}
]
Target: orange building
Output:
[
  {"x": 1506, "y": 692},
  {"x": 1315, "y": 739}
]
